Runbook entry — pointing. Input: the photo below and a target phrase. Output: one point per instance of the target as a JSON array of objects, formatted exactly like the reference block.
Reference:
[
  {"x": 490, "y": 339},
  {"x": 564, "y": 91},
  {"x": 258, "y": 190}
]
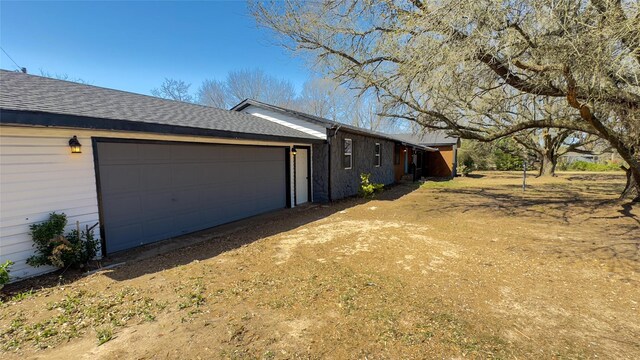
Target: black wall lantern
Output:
[
  {"x": 294, "y": 151},
  {"x": 75, "y": 145}
]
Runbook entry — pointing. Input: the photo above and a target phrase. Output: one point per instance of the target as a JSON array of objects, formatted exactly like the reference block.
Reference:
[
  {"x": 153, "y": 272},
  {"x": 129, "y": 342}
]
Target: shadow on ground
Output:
[
  {"x": 557, "y": 200},
  {"x": 611, "y": 228},
  {"x": 204, "y": 244}
]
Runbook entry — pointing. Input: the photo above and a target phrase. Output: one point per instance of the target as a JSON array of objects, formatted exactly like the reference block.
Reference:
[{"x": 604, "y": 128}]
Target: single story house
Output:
[
  {"x": 441, "y": 163},
  {"x": 344, "y": 153},
  {"x": 147, "y": 169},
  {"x": 143, "y": 169},
  {"x": 573, "y": 156}
]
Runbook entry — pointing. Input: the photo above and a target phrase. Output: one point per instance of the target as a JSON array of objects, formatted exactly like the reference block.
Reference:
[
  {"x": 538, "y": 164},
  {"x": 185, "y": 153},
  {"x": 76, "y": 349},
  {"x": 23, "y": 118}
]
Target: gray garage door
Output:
[{"x": 152, "y": 192}]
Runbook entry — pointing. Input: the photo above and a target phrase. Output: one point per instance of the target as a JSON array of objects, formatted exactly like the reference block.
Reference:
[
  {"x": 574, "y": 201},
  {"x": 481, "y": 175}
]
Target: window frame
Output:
[
  {"x": 377, "y": 149},
  {"x": 345, "y": 153}
]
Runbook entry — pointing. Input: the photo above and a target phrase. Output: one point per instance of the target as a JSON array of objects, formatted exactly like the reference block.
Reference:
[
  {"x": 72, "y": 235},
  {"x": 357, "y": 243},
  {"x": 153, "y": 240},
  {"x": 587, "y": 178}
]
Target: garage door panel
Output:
[
  {"x": 156, "y": 176},
  {"x": 158, "y": 228},
  {"x": 124, "y": 237},
  {"x": 209, "y": 195},
  {"x": 217, "y": 199},
  {"x": 118, "y": 153},
  {"x": 187, "y": 199},
  {"x": 185, "y": 222},
  {"x": 119, "y": 178},
  {"x": 151, "y": 192},
  {"x": 236, "y": 156},
  {"x": 264, "y": 167},
  {"x": 186, "y": 174},
  {"x": 154, "y": 153},
  {"x": 121, "y": 207},
  {"x": 155, "y": 202},
  {"x": 188, "y": 153},
  {"x": 213, "y": 176}
]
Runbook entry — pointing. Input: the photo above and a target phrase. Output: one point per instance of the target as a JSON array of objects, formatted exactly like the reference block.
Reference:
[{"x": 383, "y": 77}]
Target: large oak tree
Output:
[{"x": 467, "y": 65}]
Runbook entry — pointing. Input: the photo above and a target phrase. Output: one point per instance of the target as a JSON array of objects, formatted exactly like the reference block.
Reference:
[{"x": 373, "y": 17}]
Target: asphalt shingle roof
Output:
[
  {"x": 328, "y": 123},
  {"x": 23, "y": 92},
  {"x": 429, "y": 139}
]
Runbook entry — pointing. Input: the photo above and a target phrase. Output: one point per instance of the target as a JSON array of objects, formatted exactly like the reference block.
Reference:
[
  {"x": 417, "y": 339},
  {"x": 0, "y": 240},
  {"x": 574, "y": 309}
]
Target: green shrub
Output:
[
  {"x": 506, "y": 161},
  {"x": 4, "y": 272},
  {"x": 367, "y": 188},
  {"x": 580, "y": 165},
  {"x": 468, "y": 165},
  {"x": 562, "y": 165},
  {"x": 53, "y": 248}
]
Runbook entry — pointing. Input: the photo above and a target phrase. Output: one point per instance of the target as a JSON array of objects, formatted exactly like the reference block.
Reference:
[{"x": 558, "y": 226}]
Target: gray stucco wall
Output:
[
  {"x": 320, "y": 172},
  {"x": 346, "y": 182}
]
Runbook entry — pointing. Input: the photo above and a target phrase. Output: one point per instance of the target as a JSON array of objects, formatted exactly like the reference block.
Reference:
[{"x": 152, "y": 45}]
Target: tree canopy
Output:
[
  {"x": 173, "y": 89},
  {"x": 470, "y": 67}
]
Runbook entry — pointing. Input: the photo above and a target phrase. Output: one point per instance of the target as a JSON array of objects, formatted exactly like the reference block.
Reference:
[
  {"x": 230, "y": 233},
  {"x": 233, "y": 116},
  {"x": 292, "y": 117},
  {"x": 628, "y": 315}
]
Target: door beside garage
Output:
[
  {"x": 153, "y": 191},
  {"x": 302, "y": 176}
]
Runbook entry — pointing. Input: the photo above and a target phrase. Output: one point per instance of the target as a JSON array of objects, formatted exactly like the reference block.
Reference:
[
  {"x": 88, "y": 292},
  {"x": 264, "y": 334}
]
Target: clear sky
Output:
[{"x": 134, "y": 45}]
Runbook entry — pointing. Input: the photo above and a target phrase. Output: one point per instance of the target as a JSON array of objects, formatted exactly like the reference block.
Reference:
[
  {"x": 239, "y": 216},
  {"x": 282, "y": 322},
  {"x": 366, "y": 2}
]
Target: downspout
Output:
[
  {"x": 330, "y": 134},
  {"x": 329, "y": 169}
]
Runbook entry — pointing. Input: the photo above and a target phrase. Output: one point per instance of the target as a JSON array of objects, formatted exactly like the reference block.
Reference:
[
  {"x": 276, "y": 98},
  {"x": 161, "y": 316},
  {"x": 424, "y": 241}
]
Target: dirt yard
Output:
[{"x": 468, "y": 268}]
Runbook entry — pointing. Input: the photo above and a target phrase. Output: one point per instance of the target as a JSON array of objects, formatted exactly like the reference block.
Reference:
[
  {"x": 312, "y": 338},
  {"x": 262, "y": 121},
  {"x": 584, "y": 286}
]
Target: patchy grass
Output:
[
  {"x": 22, "y": 295},
  {"x": 472, "y": 268},
  {"x": 451, "y": 184},
  {"x": 193, "y": 299},
  {"x": 76, "y": 312},
  {"x": 104, "y": 335}
]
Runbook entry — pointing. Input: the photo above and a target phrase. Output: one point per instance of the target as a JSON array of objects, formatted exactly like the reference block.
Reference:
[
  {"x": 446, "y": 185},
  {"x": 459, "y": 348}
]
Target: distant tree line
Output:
[
  {"x": 319, "y": 96},
  {"x": 510, "y": 154}
]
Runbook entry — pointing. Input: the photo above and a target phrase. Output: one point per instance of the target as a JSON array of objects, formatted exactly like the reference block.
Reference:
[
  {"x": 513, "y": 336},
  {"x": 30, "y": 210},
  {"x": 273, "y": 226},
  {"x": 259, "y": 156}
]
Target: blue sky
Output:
[{"x": 134, "y": 45}]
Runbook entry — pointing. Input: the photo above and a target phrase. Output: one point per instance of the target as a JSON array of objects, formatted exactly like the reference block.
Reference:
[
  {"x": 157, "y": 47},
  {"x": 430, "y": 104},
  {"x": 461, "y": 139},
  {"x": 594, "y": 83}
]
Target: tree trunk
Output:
[
  {"x": 548, "y": 164},
  {"x": 630, "y": 153},
  {"x": 632, "y": 188}
]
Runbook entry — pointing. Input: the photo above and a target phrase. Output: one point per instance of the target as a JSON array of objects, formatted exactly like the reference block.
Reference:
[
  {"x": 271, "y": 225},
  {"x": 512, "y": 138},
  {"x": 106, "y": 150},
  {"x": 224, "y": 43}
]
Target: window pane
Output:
[
  {"x": 347, "y": 161},
  {"x": 377, "y": 149},
  {"x": 347, "y": 146}
]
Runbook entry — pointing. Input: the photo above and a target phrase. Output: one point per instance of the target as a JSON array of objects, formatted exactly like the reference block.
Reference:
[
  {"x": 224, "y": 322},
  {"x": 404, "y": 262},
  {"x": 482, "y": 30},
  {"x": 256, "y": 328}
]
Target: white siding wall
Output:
[
  {"x": 39, "y": 175},
  {"x": 292, "y": 122}
]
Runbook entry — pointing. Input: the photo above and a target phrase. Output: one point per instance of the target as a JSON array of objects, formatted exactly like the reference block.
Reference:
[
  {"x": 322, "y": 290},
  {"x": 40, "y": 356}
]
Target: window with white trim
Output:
[
  {"x": 377, "y": 156},
  {"x": 347, "y": 160}
]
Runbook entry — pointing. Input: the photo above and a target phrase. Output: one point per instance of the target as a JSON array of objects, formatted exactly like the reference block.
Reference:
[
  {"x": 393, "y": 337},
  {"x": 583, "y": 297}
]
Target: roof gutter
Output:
[{"x": 36, "y": 118}]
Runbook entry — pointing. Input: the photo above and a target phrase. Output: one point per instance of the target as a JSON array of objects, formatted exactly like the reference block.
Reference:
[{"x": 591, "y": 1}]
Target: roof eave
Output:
[
  {"x": 421, "y": 147},
  {"x": 288, "y": 112},
  {"x": 45, "y": 119},
  {"x": 441, "y": 144},
  {"x": 243, "y": 104},
  {"x": 325, "y": 122}
]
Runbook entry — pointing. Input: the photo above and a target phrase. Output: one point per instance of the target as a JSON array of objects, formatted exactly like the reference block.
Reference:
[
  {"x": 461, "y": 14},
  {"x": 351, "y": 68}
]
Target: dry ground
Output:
[{"x": 468, "y": 268}]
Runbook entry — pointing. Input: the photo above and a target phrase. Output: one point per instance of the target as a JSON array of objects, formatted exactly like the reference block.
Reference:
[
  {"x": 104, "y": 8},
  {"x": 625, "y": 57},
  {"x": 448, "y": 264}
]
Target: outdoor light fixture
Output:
[
  {"x": 294, "y": 151},
  {"x": 75, "y": 146}
]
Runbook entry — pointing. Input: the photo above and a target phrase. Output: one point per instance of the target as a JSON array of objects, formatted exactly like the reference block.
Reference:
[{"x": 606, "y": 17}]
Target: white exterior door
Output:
[{"x": 302, "y": 176}]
